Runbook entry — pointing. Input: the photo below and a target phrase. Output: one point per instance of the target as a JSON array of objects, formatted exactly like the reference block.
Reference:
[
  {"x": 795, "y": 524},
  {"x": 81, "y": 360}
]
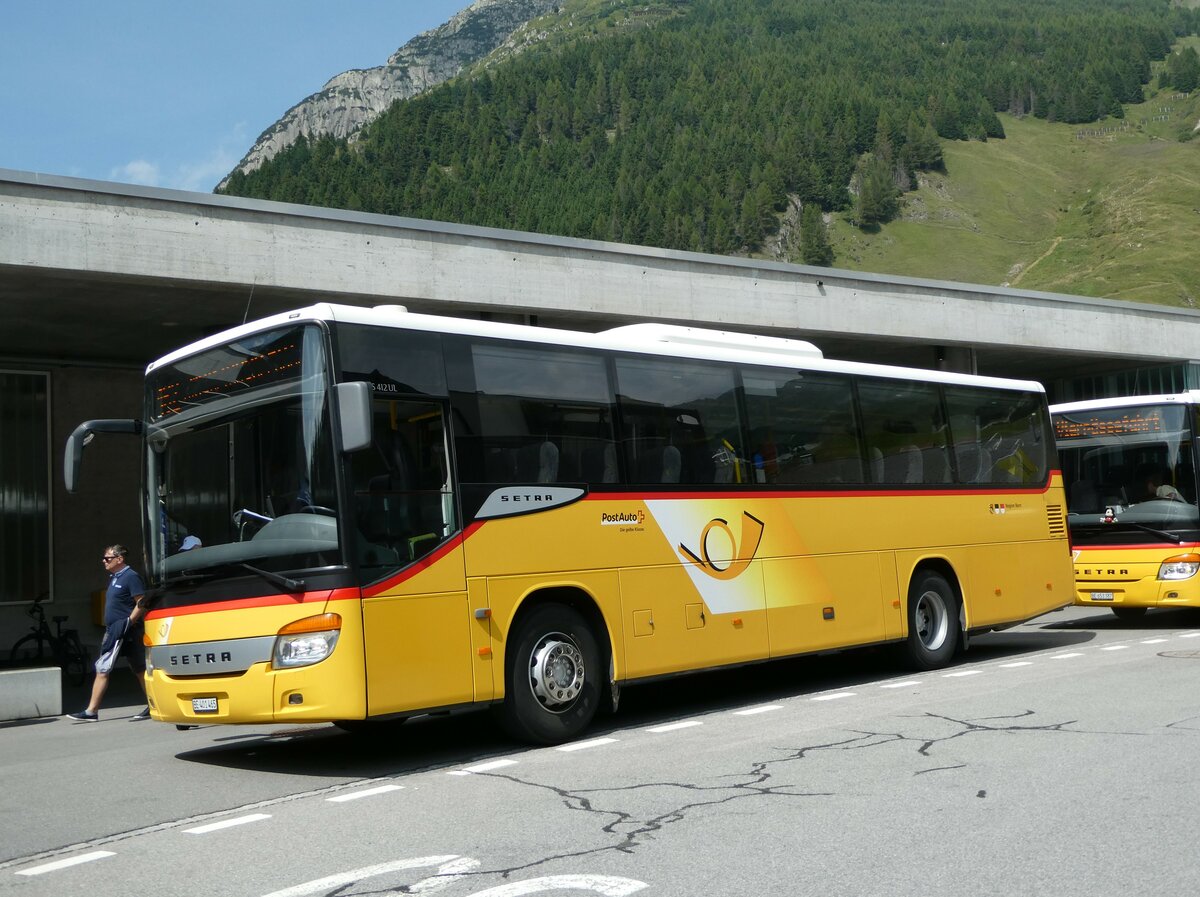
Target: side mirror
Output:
[
  {"x": 82, "y": 435},
  {"x": 354, "y": 414}
]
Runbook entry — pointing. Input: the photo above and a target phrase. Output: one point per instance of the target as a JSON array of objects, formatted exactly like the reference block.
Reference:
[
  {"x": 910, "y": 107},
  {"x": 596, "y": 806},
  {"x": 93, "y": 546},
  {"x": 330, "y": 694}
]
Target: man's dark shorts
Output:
[{"x": 132, "y": 648}]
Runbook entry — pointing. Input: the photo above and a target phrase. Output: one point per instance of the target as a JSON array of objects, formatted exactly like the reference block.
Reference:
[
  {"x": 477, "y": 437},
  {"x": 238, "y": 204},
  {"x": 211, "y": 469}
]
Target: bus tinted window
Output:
[
  {"x": 999, "y": 437},
  {"x": 543, "y": 415},
  {"x": 393, "y": 361},
  {"x": 905, "y": 432},
  {"x": 802, "y": 427},
  {"x": 679, "y": 421}
]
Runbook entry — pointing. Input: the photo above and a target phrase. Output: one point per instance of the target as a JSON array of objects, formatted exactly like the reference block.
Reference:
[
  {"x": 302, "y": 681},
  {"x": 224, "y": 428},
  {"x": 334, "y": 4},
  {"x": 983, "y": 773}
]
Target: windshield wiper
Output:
[
  {"x": 285, "y": 582},
  {"x": 1099, "y": 529},
  {"x": 195, "y": 575}
]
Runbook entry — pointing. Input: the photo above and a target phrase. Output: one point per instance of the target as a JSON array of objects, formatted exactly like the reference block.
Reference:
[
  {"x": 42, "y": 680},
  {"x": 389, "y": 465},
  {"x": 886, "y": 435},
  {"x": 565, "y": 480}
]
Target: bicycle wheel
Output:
[
  {"x": 74, "y": 658},
  {"x": 29, "y": 649}
]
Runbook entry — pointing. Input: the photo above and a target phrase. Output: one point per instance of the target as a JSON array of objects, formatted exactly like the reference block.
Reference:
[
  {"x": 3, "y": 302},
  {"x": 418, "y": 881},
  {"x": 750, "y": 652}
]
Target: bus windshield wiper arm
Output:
[
  {"x": 286, "y": 582},
  {"x": 1161, "y": 533},
  {"x": 1096, "y": 530}
]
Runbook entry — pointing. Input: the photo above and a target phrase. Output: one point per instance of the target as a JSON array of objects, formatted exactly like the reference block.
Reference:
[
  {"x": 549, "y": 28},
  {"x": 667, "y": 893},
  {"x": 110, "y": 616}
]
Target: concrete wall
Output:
[{"x": 105, "y": 510}]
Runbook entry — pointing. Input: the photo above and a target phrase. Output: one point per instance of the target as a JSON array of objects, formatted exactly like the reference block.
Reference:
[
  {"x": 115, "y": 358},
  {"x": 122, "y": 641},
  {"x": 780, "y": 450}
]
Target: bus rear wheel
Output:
[
  {"x": 933, "y": 630},
  {"x": 552, "y": 677}
]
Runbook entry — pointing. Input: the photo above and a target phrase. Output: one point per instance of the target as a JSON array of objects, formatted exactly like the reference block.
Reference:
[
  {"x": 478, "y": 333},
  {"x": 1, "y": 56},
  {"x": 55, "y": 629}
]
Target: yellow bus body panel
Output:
[{"x": 1112, "y": 576}]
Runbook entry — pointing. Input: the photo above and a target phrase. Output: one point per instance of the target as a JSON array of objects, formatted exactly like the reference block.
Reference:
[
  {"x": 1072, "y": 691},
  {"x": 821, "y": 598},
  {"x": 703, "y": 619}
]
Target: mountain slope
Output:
[
  {"x": 352, "y": 99},
  {"x": 712, "y": 121}
]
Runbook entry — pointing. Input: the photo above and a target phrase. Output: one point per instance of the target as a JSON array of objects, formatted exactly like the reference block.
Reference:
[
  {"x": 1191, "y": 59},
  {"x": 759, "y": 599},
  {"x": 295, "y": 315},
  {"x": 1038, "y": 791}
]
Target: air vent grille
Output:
[{"x": 1057, "y": 521}]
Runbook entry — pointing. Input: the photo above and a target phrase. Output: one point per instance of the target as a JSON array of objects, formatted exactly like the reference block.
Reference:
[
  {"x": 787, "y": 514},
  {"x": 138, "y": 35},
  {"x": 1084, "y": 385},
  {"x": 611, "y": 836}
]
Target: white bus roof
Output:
[
  {"x": 1191, "y": 397},
  {"x": 651, "y": 339}
]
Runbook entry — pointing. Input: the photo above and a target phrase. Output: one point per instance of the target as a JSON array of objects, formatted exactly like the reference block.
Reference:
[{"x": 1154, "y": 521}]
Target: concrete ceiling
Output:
[{"x": 101, "y": 274}]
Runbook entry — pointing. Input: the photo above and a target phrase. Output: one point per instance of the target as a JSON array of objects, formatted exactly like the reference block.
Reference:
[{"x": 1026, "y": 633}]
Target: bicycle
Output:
[{"x": 63, "y": 645}]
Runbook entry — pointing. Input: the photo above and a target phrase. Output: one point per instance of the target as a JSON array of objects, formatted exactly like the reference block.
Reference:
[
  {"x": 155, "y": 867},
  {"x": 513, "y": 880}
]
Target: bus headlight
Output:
[
  {"x": 306, "y": 641},
  {"x": 1182, "y": 566}
]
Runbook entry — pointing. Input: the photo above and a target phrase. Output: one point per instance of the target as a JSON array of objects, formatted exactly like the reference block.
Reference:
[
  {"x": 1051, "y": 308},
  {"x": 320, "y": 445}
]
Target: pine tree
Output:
[{"x": 814, "y": 238}]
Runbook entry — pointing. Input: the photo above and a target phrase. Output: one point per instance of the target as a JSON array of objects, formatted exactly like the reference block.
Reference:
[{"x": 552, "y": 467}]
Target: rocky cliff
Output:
[{"x": 354, "y": 98}]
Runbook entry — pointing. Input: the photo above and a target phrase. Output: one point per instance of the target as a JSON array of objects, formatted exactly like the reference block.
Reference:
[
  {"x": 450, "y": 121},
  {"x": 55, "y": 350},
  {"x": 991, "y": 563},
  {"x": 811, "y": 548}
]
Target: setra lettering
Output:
[
  {"x": 200, "y": 658},
  {"x": 535, "y": 496}
]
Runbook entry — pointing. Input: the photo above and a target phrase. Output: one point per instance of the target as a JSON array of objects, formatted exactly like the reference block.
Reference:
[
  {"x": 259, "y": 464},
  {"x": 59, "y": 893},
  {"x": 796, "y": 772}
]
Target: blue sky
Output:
[{"x": 173, "y": 94}]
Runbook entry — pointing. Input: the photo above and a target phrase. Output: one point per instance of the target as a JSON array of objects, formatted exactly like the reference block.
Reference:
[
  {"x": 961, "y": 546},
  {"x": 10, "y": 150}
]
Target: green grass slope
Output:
[{"x": 1108, "y": 210}]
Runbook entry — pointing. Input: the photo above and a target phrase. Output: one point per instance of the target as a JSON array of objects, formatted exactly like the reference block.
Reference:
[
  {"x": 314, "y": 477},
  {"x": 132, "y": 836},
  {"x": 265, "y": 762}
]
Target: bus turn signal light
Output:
[{"x": 319, "y": 623}]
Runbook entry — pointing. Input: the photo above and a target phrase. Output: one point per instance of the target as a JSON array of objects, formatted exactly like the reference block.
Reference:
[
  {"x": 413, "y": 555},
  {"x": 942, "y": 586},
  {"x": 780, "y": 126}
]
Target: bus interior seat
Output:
[
  {"x": 537, "y": 463},
  {"x": 598, "y": 463},
  {"x": 935, "y": 464},
  {"x": 905, "y": 465},
  {"x": 876, "y": 457},
  {"x": 672, "y": 464},
  {"x": 974, "y": 462},
  {"x": 659, "y": 464}
]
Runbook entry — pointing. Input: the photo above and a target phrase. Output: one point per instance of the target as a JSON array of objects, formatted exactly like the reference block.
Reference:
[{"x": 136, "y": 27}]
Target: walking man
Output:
[{"x": 123, "y": 613}]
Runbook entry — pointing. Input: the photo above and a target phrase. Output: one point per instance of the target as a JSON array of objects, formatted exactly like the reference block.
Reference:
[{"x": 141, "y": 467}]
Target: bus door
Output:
[{"x": 416, "y": 622}]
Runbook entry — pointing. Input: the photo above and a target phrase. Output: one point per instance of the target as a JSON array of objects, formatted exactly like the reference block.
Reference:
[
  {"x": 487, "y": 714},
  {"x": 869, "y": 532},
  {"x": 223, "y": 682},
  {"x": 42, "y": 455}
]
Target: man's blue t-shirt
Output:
[{"x": 123, "y": 587}]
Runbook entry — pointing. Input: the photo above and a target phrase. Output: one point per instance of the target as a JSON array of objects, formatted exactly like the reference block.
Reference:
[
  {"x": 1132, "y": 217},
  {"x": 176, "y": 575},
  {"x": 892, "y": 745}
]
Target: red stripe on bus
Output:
[
  {"x": 1158, "y": 546},
  {"x": 425, "y": 562},
  {"x": 258, "y": 601}
]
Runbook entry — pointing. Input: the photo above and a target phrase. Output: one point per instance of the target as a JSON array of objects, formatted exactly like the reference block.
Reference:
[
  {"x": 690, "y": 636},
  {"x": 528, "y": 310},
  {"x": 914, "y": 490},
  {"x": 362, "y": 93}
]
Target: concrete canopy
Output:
[{"x": 101, "y": 273}]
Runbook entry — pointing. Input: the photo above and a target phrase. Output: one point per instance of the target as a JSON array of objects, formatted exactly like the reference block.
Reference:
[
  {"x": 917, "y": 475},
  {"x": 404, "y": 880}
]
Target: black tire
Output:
[
  {"x": 1129, "y": 613},
  {"x": 933, "y": 628},
  {"x": 554, "y": 675},
  {"x": 29, "y": 649}
]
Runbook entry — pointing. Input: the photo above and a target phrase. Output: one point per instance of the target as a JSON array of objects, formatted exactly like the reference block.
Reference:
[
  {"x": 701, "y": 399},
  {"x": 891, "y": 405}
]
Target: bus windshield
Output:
[
  {"x": 240, "y": 464},
  {"x": 1131, "y": 465}
]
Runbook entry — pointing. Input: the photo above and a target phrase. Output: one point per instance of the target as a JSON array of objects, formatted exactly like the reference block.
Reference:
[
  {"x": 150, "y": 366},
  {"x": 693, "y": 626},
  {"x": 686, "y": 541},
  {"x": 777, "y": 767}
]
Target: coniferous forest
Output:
[{"x": 691, "y": 127}]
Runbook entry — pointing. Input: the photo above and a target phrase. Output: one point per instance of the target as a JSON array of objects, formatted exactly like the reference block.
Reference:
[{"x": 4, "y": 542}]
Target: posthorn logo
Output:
[{"x": 722, "y": 555}]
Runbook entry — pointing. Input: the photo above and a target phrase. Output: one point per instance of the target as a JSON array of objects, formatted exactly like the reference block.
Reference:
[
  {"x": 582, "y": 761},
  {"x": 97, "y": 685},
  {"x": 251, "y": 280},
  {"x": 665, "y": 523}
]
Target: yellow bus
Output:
[
  {"x": 356, "y": 515},
  {"x": 1129, "y": 465}
]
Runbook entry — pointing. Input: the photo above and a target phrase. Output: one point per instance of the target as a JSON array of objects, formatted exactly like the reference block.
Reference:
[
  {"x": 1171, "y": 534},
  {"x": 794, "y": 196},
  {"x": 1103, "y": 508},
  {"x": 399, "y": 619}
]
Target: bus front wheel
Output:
[
  {"x": 1129, "y": 613},
  {"x": 552, "y": 677},
  {"x": 933, "y": 630}
]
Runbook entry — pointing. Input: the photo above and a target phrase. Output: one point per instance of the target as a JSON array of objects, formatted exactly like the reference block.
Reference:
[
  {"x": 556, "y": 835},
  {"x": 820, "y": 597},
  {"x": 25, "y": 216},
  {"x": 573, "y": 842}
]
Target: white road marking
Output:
[
  {"x": 961, "y": 673},
  {"x": 1019, "y": 663},
  {"x": 584, "y": 745},
  {"x": 334, "y": 882},
  {"x": 671, "y": 727},
  {"x": 1153, "y": 641},
  {"x": 1114, "y": 647},
  {"x": 70, "y": 861},
  {"x": 370, "y": 792},
  {"x": 1065, "y": 656},
  {"x": 766, "y": 708},
  {"x": 904, "y": 684},
  {"x": 835, "y": 696},
  {"x": 482, "y": 767},
  {"x": 1190, "y": 635},
  {"x": 226, "y": 823},
  {"x": 606, "y": 885}
]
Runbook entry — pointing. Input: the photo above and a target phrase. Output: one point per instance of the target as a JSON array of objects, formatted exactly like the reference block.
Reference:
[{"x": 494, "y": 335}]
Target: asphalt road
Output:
[{"x": 1056, "y": 758}]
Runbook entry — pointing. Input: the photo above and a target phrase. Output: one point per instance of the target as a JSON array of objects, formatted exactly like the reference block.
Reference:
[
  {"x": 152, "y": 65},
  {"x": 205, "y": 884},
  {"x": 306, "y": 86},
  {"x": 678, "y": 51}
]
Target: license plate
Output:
[
  {"x": 1102, "y": 596},
  {"x": 204, "y": 705}
]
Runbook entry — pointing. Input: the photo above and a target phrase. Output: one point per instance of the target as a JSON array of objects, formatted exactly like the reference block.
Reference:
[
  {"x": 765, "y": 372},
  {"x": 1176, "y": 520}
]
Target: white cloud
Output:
[
  {"x": 205, "y": 174},
  {"x": 139, "y": 171}
]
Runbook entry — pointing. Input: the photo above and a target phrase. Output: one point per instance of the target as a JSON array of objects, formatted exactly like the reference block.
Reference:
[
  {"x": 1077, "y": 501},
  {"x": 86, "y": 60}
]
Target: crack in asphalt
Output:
[{"x": 633, "y": 831}]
